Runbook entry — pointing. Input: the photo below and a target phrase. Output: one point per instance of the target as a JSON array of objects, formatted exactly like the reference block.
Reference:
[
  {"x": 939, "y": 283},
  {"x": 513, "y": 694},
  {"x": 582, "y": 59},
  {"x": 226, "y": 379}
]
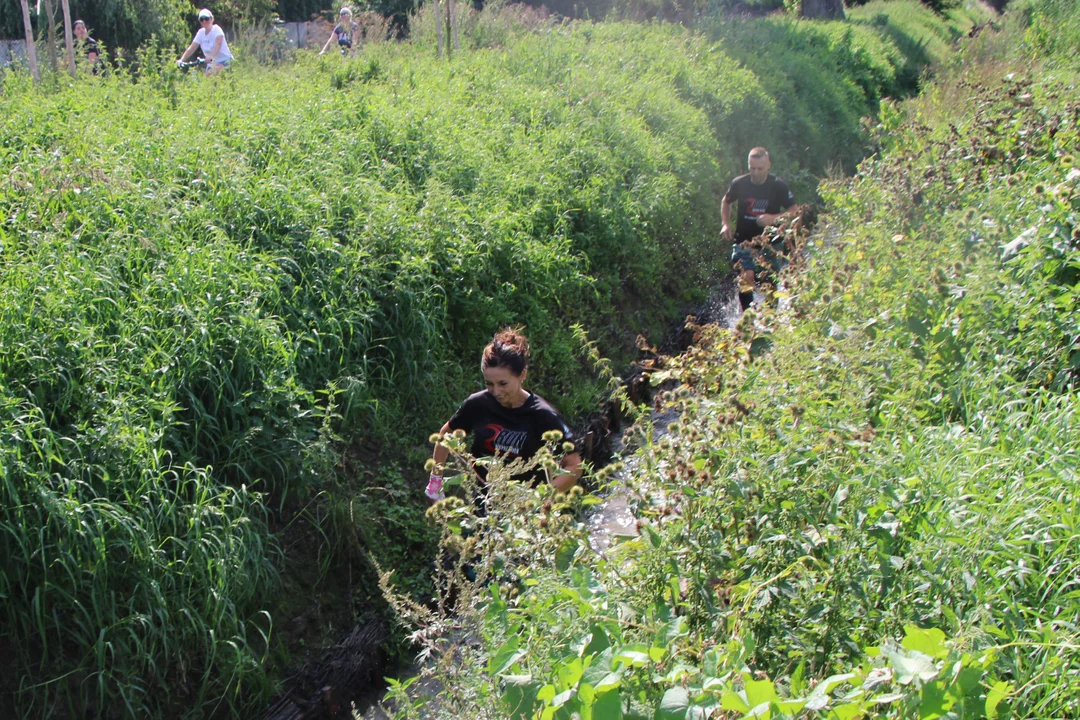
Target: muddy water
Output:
[{"x": 614, "y": 518}]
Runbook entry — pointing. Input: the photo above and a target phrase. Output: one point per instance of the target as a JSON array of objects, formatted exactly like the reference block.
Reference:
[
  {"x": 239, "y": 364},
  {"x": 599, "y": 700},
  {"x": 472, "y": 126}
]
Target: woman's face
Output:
[
  {"x": 505, "y": 385},
  {"x": 80, "y": 31}
]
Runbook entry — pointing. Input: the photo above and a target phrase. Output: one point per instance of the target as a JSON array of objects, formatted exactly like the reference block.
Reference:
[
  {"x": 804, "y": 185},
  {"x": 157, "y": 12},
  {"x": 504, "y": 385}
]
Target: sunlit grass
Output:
[
  {"x": 207, "y": 287},
  {"x": 888, "y": 491}
]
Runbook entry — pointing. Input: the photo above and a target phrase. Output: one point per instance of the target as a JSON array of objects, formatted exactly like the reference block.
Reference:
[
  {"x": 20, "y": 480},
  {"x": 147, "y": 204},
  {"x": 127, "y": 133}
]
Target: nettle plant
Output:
[{"x": 531, "y": 621}]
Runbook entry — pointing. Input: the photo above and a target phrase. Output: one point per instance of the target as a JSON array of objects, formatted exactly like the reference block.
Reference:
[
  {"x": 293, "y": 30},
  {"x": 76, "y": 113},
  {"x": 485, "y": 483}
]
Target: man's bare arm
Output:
[{"x": 725, "y": 215}]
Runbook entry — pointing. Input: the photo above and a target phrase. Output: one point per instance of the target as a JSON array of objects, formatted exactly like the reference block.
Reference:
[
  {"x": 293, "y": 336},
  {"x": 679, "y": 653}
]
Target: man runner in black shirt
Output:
[{"x": 760, "y": 200}]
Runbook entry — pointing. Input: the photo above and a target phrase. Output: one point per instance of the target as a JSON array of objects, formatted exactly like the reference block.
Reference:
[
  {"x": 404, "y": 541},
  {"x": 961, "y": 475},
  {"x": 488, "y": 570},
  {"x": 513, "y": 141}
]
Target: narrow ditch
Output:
[{"x": 346, "y": 681}]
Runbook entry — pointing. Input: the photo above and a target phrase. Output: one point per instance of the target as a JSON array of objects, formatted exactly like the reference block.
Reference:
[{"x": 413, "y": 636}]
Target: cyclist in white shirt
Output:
[{"x": 211, "y": 39}]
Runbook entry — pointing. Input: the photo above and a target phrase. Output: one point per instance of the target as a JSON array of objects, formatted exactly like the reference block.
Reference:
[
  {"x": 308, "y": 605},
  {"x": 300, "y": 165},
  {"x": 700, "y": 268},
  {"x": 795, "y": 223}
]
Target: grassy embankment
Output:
[
  {"x": 877, "y": 517},
  {"x": 210, "y": 289}
]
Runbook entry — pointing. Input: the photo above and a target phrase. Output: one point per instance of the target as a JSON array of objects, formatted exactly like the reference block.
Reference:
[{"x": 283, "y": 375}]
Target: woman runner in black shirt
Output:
[{"x": 506, "y": 418}]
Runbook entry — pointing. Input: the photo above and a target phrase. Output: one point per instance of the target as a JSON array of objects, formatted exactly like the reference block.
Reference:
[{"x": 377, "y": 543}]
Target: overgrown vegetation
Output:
[
  {"x": 118, "y": 23},
  {"x": 874, "y": 518},
  {"x": 215, "y": 293}
]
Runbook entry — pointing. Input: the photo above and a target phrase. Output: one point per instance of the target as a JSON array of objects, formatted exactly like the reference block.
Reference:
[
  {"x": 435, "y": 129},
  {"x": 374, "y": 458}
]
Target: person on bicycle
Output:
[
  {"x": 345, "y": 31},
  {"x": 211, "y": 39},
  {"x": 505, "y": 418},
  {"x": 760, "y": 200}
]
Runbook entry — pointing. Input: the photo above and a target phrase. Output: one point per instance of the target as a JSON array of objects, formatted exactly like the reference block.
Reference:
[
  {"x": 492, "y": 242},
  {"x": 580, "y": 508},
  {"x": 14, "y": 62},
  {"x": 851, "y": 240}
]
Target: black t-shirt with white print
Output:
[
  {"x": 752, "y": 201},
  {"x": 511, "y": 432}
]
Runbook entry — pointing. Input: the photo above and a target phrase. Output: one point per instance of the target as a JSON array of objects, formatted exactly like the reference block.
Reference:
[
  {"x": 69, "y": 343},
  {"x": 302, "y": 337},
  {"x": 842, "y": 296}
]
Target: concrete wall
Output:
[
  {"x": 297, "y": 32},
  {"x": 12, "y": 51}
]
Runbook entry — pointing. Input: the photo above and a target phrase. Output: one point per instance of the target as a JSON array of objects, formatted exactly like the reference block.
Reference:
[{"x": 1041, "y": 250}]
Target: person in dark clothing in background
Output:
[
  {"x": 86, "y": 45},
  {"x": 759, "y": 199}
]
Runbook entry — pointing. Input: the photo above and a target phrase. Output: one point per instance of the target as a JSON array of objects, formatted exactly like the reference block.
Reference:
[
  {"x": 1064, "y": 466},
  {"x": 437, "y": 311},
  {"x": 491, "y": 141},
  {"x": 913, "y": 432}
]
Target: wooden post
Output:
[
  {"x": 438, "y": 24},
  {"x": 451, "y": 10},
  {"x": 69, "y": 42},
  {"x": 51, "y": 34},
  {"x": 31, "y": 51}
]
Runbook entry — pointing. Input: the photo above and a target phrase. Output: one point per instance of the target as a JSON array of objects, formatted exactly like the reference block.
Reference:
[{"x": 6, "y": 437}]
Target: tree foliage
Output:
[
  {"x": 130, "y": 23},
  {"x": 301, "y": 10},
  {"x": 230, "y": 12},
  {"x": 117, "y": 23}
]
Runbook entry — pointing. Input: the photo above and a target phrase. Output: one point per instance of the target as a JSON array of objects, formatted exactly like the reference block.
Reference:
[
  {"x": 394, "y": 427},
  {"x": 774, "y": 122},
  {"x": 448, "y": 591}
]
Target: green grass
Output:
[
  {"x": 876, "y": 517},
  {"x": 211, "y": 288}
]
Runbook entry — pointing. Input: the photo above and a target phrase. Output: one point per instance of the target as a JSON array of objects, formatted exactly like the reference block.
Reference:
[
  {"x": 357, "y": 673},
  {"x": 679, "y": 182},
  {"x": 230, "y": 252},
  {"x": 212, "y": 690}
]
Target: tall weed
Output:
[
  {"x": 875, "y": 518},
  {"x": 205, "y": 294}
]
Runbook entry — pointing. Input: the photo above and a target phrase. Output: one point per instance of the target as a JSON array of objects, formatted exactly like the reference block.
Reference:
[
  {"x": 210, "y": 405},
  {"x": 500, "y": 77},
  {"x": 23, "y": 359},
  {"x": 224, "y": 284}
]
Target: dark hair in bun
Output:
[{"x": 508, "y": 349}]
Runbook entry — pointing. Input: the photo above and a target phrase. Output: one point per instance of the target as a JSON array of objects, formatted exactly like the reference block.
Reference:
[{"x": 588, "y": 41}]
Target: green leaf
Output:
[
  {"x": 969, "y": 680},
  {"x": 934, "y": 702},
  {"x": 887, "y": 698},
  {"x": 564, "y": 556},
  {"x": 733, "y": 701},
  {"x": 845, "y": 712},
  {"x": 911, "y": 666},
  {"x": 653, "y": 537},
  {"x": 609, "y": 681},
  {"x": 633, "y": 655},
  {"x": 671, "y": 631},
  {"x": 929, "y": 642},
  {"x": 798, "y": 683},
  {"x": 997, "y": 693},
  {"x": 791, "y": 707},
  {"x": 608, "y": 707},
  {"x": 711, "y": 663},
  {"x": 819, "y": 698},
  {"x": 567, "y": 674},
  {"x": 760, "y": 691},
  {"x": 546, "y": 693},
  {"x": 673, "y": 705},
  {"x": 505, "y": 656},
  {"x": 596, "y": 667},
  {"x": 519, "y": 696},
  {"x": 562, "y": 698},
  {"x": 599, "y": 642}
]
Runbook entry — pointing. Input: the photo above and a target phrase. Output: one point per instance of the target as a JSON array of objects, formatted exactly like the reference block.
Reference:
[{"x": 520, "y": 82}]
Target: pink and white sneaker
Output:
[{"x": 434, "y": 488}]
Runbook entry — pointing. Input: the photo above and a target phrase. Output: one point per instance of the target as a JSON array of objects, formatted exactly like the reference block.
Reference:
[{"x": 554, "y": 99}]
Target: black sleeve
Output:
[
  {"x": 553, "y": 421},
  {"x": 784, "y": 195},
  {"x": 732, "y": 194},
  {"x": 462, "y": 419}
]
